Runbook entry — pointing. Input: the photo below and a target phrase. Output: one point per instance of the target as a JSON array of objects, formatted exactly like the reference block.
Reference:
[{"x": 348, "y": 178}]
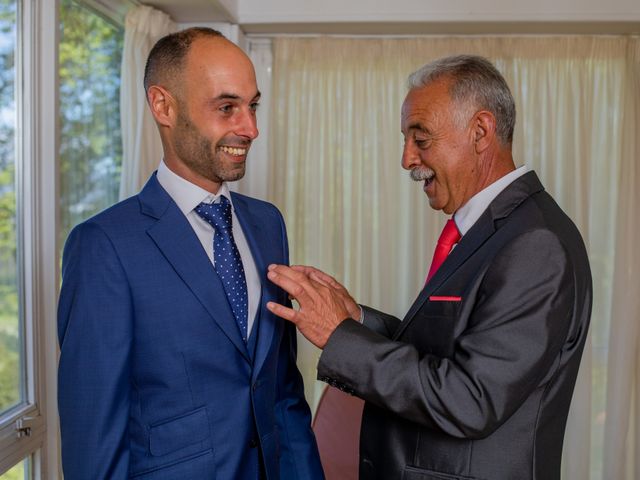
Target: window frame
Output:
[{"x": 36, "y": 190}]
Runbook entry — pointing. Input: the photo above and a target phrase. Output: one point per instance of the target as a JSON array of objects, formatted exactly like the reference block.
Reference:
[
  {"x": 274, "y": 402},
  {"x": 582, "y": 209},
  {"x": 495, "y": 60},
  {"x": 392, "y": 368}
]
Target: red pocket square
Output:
[{"x": 435, "y": 298}]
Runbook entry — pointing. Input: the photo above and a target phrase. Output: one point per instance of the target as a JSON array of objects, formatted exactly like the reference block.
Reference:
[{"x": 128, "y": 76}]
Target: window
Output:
[
  {"x": 11, "y": 364},
  {"x": 90, "y": 141},
  {"x": 36, "y": 188},
  {"x": 17, "y": 409},
  {"x": 17, "y": 472}
]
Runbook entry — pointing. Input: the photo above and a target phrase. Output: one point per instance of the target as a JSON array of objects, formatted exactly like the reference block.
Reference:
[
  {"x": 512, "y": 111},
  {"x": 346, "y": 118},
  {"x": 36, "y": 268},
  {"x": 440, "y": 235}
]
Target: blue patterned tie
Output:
[{"x": 226, "y": 257}]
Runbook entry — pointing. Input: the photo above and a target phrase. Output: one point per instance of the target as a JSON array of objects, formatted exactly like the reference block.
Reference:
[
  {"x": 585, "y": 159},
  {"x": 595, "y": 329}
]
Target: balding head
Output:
[{"x": 167, "y": 58}]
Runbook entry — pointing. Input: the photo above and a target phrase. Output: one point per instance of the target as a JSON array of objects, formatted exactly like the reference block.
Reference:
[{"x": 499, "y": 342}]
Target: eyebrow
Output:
[
  {"x": 234, "y": 96},
  {"x": 418, "y": 126}
]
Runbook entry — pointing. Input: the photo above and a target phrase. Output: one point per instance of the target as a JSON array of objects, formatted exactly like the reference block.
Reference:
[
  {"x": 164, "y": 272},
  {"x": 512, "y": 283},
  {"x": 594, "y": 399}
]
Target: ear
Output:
[
  {"x": 483, "y": 130},
  {"x": 163, "y": 105}
]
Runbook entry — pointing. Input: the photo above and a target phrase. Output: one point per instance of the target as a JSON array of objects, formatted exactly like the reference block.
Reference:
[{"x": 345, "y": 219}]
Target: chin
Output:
[
  {"x": 437, "y": 206},
  {"x": 232, "y": 177}
]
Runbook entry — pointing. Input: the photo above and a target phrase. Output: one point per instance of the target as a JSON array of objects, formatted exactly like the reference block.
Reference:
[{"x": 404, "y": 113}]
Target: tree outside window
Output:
[{"x": 90, "y": 139}]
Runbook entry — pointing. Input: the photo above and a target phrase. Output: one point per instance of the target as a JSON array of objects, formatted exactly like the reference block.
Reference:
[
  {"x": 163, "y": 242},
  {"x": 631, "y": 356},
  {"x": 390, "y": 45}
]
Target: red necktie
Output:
[{"x": 448, "y": 238}]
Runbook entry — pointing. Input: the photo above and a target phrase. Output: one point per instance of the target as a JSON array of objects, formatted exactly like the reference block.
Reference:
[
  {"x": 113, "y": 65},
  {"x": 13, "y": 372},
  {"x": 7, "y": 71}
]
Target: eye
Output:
[
  {"x": 254, "y": 106},
  {"x": 421, "y": 142},
  {"x": 227, "y": 108}
]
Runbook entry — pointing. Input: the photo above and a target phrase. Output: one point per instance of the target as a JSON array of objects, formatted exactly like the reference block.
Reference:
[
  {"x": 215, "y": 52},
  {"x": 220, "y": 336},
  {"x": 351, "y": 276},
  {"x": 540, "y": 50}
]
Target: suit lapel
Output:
[
  {"x": 251, "y": 227},
  {"x": 501, "y": 207},
  {"x": 175, "y": 238}
]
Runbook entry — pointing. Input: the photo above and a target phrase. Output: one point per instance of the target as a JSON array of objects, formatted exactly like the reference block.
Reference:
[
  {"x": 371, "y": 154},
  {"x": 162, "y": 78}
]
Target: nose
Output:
[
  {"x": 247, "y": 125},
  {"x": 410, "y": 157}
]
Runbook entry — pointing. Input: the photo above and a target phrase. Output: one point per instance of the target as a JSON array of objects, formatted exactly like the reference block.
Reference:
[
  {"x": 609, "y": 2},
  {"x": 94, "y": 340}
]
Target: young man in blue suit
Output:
[
  {"x": 475, "y": 382},
  {"x": 171, "y": 367}
]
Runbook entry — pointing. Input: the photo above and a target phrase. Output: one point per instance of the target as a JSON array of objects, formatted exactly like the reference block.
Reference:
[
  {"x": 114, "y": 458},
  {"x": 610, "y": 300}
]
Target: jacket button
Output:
[{"x": 253, "y": 443}]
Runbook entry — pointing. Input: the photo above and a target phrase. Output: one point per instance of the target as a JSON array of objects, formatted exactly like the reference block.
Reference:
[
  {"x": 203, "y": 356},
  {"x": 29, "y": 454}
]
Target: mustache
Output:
[
  {"x": 233, "y": 140},
  {"x": 418, "y": 174}
]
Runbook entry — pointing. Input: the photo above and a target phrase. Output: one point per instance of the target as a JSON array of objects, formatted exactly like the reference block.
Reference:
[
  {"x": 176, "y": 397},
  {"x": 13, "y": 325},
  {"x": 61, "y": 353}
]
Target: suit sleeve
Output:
[
  {"x": 380, "y": 322},
  {"x": 299, "y": 457},
  {"x": 95, "y": 335},
  {"x": 511, "y": 342}
]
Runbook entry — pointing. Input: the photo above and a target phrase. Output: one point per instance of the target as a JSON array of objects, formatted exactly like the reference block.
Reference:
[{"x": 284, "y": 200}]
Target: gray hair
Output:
[{"x": 476, "y": 81}]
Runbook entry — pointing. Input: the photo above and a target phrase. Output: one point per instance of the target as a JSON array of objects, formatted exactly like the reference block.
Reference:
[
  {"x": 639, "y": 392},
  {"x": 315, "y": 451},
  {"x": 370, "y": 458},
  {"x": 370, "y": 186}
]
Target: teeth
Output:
[{"x": 234, "y": 150}]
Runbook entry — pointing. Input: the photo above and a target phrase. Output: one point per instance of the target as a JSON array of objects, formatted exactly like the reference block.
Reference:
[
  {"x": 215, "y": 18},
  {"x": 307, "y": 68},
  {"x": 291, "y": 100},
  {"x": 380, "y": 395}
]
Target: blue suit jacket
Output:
[{"x": 155, "y": 381}]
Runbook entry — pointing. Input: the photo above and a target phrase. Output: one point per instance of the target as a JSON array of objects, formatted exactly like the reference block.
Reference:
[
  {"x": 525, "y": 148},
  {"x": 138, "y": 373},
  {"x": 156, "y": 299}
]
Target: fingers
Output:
[
  {"x": 284, "y": 281},
  {"x": 326, "y": 280},
  {"x": 304, "y": 269},
  {"x": 282, "y": 311},
  {"x": 310, "y": 286},
  {"x": 319, "y": 276},
  {"x": 321, "y": 308},
  {"x": 296, "y": 284}
]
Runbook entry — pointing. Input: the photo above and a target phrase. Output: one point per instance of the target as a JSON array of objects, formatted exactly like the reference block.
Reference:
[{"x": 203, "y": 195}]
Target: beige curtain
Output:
[
  {"x": 622, "y": 415},
  {"x": 334, "y": 170},
  {"x": 141, "y": 148}
]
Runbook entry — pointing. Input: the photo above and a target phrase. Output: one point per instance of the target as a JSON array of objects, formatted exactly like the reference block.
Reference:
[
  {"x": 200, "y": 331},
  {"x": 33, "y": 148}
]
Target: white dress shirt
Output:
[
  {"x": 188, "y": 196},
  {"x": 470, "y": 212}
]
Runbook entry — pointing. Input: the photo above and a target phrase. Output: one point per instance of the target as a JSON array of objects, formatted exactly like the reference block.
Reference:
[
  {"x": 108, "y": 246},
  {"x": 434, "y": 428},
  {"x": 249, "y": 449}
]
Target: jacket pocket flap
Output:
[
  {"x": 414, "y": 473},
  {"x": 178, "y": 432}
]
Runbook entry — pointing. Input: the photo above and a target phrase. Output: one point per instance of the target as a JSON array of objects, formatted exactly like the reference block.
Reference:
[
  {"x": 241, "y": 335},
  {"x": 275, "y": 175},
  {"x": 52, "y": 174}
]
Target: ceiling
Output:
[
  {"x": 188, "y": 11},
  {"x": 212, "y": 11}
]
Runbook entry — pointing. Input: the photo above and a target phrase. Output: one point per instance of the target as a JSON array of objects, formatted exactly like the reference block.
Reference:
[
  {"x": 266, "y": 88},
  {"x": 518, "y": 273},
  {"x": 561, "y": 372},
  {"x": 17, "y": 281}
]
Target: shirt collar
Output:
[
  {"x": 470, "y": 212},
  {"x": 186, "y": 194}
]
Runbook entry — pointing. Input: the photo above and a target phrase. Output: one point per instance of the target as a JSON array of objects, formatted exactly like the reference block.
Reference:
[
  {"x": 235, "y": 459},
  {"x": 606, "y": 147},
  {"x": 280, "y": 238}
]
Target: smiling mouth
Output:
[
  {"x": 235, "y": 151},
  {"x": 429, "y": 180}
]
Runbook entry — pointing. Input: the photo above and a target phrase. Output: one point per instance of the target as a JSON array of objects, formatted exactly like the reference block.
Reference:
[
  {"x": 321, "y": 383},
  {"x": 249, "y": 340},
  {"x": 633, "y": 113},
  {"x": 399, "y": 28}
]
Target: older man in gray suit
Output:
[{"x": 475, "y": 382}]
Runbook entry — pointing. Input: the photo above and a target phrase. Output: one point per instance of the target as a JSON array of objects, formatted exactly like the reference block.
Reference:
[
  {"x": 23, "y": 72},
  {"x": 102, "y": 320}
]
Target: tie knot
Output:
[
  {"x": 216, "y": 214},
  {"x": 450, "y": 234}
]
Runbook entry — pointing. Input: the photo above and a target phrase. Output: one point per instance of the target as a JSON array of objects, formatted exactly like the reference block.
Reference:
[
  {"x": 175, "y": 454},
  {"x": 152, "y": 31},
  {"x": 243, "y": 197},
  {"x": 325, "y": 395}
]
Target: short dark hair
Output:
[
  {"x": 166, "y": 59},
  {"x": 473, "y": 79}
]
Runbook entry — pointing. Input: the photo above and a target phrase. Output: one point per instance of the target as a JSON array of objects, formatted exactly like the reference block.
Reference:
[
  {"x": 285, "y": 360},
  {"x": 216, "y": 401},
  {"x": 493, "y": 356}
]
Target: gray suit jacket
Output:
[{"x": 476, "y": 381}]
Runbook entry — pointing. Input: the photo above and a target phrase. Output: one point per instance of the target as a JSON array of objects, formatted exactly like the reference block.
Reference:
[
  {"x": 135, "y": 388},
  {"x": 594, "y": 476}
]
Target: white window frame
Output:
[{"x": 36, "y": 173}]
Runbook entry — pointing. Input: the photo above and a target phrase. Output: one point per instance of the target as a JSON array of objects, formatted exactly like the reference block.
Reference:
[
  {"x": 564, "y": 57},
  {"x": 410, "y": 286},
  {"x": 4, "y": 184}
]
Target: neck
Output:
[{"x": 497, "y": 164}]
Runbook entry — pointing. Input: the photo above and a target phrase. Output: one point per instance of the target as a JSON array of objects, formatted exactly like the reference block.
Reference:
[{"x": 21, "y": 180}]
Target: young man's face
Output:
[{"x": 216, "y": 112}]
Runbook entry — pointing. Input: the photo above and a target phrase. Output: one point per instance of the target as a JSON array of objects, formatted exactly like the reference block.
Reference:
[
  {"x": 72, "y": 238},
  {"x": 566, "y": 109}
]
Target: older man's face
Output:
[{"x": 438, "y": 147}]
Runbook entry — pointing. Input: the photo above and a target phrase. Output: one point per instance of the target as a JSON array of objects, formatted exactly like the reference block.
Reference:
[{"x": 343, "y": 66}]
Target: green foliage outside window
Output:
[
  {"x": 15, "y": 473},
  {"x": 90, "y": 139},
  {"x": 90, "y": 154}
]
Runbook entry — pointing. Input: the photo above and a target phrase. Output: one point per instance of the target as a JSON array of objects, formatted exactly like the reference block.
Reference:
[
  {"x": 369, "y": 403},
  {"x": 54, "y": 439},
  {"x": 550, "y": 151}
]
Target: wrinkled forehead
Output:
[{"x": 425, "y": 105}]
